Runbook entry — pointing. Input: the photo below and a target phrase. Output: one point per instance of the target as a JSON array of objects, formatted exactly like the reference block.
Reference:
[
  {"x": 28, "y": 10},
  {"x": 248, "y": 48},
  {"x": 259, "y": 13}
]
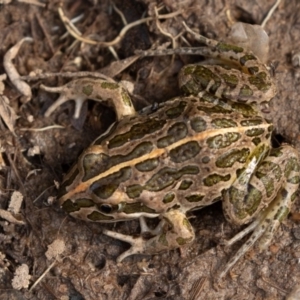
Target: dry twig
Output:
[
  {"x": 12, "y": 72},
  {"x": 74, "y": 32}
]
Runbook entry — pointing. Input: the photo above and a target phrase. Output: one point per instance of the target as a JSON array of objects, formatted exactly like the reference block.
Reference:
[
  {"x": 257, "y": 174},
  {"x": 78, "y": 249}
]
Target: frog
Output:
[{"x": 211, "y": 143}]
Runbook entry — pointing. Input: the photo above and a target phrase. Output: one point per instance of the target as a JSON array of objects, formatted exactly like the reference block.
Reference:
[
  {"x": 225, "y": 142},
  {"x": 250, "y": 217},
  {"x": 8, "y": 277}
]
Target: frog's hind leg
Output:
[
  {"x": 242, "y": 77},
  {"x": 280, "y": 168}
]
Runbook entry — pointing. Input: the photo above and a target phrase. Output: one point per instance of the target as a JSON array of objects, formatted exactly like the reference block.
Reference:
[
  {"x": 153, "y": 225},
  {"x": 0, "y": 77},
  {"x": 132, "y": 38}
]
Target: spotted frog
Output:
[{"x": 210, "y": 144}]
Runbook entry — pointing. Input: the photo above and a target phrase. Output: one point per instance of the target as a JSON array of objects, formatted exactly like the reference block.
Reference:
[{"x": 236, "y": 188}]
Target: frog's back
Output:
[{"x": 181, "y": 153}]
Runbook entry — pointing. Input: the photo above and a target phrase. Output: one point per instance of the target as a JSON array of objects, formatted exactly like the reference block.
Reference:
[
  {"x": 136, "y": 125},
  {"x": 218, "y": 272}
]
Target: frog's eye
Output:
[{"x": 106, "y": 208}]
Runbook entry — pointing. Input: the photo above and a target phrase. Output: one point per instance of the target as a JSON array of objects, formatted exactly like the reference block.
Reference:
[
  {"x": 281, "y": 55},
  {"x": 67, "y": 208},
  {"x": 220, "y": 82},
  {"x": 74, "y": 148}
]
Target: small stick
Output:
[{"x": 12, "y": 72}]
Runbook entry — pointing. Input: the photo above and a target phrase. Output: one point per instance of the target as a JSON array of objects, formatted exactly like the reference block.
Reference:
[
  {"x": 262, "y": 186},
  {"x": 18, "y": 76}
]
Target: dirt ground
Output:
[{"x": 38, "y": 153}]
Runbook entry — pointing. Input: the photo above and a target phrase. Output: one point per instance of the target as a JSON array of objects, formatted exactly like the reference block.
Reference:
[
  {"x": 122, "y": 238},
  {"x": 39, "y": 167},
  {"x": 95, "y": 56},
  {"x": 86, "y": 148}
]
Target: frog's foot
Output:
[
  {"x": 278, "y": 178},
  {"x": 64, "y": 97},
  {"x": 96, "y": 89},
  {"x": 138, "y": 244},
  {"x": 173, "y": 232},
  {"x": 241, "y": 234},
  {"x": 263, "y": 229}
]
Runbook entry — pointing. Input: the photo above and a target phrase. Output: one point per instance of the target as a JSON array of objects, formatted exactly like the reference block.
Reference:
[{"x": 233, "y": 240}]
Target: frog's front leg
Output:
[
  {"x": 96, "y": 89},
  {"x": 268, "y": 197},
  {"x": 173, "y": 232}
]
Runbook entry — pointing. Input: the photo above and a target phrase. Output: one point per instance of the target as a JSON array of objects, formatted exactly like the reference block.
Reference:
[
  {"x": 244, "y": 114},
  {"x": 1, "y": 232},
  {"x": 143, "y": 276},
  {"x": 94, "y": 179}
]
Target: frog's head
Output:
[{"x": 95, "y": 190}]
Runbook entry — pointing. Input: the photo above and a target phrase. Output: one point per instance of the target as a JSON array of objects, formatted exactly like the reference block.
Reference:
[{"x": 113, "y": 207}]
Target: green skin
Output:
[{"x": 187, "y": 153}]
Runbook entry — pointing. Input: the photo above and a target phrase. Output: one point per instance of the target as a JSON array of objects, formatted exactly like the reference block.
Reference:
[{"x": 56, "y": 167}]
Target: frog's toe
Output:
[
  {"x": 137, "y": 244},
  {"x": 61, "y": 100}
]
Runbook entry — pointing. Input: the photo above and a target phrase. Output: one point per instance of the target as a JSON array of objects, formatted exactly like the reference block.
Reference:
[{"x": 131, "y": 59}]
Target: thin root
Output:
[
  {"x": 270, "y": 13},
  {"x": 70, "y": 28}
]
